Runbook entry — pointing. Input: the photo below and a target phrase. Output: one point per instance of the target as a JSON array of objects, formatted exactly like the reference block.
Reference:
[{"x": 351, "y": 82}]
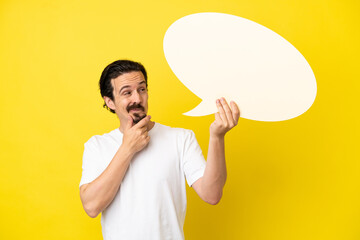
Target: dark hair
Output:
[{"x": 113, "y": 70}]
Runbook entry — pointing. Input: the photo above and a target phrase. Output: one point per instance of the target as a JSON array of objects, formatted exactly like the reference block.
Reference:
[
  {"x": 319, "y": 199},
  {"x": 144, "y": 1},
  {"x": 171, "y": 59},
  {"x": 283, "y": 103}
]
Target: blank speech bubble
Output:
[{"x": 216, "y": 54}]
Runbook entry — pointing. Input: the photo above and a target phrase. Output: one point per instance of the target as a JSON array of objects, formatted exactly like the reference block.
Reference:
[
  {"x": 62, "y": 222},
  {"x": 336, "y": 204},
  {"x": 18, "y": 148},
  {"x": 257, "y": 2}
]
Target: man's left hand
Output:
[{"x": 225, "y": 119}]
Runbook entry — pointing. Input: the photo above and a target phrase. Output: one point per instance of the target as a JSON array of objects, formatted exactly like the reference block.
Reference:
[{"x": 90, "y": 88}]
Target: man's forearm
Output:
[
  {"x": 210, "y": 186},
  {"x": 215, "y": 174},
  {"x": 98, "y": 194}
]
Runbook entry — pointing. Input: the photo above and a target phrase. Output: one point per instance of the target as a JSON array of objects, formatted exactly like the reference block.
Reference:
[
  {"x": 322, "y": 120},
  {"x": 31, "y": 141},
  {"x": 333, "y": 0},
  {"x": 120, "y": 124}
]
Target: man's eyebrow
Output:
[
  {"x": 127, "y": 86},
  {"x": 142, "y": 82}
]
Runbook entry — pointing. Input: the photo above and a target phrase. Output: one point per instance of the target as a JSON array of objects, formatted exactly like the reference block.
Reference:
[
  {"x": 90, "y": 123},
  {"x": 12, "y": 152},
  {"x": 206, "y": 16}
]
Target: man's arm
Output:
[
  {"x": 98, "y": 194},
  {"x": 210, "y": 186}
]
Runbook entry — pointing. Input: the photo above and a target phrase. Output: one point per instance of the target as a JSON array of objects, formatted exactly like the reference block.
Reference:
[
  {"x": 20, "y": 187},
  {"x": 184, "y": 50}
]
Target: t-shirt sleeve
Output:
[
  {"x": 90, "y": 166},
  {"x": 193, "y": 159}
]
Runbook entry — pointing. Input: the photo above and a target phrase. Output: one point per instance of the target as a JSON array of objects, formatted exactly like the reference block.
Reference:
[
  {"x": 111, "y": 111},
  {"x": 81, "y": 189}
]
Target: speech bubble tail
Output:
[{"x": 203, "y": 109}]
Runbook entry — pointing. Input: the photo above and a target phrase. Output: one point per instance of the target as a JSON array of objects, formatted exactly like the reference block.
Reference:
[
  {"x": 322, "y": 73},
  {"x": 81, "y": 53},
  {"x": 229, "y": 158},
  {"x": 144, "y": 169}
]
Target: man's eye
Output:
[
  {"x": 142, "y": 89},
  {"x": 126, "y": 93}
]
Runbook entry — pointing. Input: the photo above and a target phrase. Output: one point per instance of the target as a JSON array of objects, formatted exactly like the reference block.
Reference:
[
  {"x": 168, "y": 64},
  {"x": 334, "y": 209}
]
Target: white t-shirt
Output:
[{"x": 151, "y": 201}]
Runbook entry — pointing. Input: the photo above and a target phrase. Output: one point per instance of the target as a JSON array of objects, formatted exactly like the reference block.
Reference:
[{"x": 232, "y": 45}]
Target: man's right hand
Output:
[
  {"x": 136, "y": 136},
  {"x": 98, "y": 194}
]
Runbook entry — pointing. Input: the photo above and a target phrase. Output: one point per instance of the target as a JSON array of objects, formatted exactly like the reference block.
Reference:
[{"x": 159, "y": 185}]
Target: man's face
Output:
[{"x": 130, "y": 96}]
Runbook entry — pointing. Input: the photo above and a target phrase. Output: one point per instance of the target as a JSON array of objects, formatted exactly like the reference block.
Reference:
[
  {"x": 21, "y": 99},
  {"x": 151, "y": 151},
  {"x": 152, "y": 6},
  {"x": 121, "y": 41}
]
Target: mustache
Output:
[{"x": 128, "y": 108}]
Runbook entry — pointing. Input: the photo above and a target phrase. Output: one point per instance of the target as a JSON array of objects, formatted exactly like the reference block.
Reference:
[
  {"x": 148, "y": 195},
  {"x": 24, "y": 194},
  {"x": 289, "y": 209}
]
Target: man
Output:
[{"x": 135, "y": 175}]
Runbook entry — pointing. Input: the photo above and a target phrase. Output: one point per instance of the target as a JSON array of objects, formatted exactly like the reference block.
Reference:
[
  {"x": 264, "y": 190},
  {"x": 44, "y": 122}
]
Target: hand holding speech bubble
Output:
[{"x": 220, "y": 55}]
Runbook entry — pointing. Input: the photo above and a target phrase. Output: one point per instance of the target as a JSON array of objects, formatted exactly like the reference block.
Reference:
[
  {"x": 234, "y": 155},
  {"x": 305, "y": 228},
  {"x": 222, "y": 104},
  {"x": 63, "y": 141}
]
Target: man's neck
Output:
[{"x": 150, "y": 125}]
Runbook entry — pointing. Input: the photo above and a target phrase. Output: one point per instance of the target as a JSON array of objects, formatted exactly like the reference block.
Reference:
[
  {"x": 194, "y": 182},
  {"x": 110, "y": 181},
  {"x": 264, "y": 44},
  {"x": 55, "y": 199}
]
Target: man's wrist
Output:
[
  {"x": 126, "y": 152},
  {"x": 217, "y": 137}
]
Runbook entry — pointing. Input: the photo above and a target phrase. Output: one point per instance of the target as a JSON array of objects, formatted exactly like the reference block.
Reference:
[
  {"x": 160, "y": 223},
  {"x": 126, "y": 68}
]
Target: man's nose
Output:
[{"x": 136, "y": 97}]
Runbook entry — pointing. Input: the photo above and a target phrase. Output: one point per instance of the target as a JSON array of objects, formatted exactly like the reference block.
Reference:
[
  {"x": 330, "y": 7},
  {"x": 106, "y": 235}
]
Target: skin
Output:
[
  {"x": 210, "y": 186},
  {"x": 130, "y": 90}
]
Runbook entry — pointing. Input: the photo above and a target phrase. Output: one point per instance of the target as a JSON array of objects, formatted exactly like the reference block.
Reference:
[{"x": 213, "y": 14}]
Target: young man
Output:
[{"x": 135, "y": 175}]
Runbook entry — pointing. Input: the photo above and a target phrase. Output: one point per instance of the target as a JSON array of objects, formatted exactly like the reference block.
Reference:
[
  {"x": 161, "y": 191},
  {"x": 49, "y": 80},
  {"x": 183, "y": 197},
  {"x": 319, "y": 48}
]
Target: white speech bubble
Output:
[{"x": 216, "y": 54}]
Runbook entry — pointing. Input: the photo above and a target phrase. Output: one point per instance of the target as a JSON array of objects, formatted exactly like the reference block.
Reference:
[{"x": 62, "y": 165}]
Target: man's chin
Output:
[{"x": 138, "y": 117}]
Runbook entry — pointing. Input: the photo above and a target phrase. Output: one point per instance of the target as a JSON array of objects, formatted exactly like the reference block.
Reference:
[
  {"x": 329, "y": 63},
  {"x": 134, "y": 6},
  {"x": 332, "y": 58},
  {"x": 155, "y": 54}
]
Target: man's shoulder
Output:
[
  {"x": 164, "y": 129},
  {"x": 169, "y": 128},
  {"x": 114, "y": 135}
]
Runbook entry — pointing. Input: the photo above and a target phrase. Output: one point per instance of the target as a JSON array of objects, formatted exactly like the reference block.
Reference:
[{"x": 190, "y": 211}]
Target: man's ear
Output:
[{"x": 109, "y": 103}]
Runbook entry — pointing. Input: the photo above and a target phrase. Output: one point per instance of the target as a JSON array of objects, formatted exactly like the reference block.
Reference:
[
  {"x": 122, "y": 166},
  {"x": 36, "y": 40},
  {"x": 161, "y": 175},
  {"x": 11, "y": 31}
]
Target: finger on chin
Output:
[
  {"x": 143, "y": 122},
  {"x": 129, "y": 122}
]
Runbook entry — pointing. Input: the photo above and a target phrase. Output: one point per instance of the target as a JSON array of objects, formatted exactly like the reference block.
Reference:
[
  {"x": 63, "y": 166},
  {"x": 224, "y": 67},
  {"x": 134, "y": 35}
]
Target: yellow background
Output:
[{"x": 297, "y": 179}]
